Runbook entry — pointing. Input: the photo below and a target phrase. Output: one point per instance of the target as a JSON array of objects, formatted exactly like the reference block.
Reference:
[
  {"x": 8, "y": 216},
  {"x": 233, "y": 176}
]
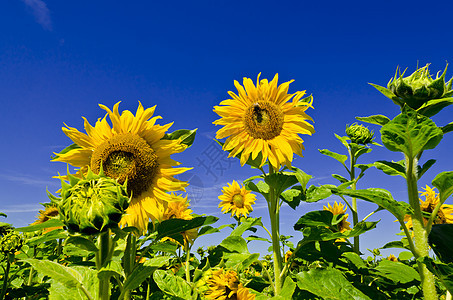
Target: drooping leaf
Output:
[
  {"x": 53, "y": 235},
  {"x": 246, "y": 224},
  {"x": 260, "y": 187},
  {"x": 355, "y": 260},
  {"x": 172, "y": 285},
  {"x": 316, "y": 193},
  {"x": 185, "y": 135},
  {"x": 82, "y": 242},
  {"x": 387, "y": 93},
  {"x": 235, "y": 244},
  {"x": 173, "y": 227},
  {"x": 322, "y": 218},
  {"x": 404, "y": 244},
  {"x": 381, "y": 197},
  {"x": 444, "y": 183},
  {"x": 165, "y": 246},
  {"x": 441, "y": 240},
  {"x": 302, "y": 177},
  {"x": 143, "y": 271},
  {"x": 340, "y": 178},
  {"x": 48, "y": 224},
  {"x": 434, "y": 106},
  {"x": 410, "y": 133},
  {"x": 328, "y": 284},
  {"x": 391, "y": 168},
  {"x": 375, "y": 119},
  {"x": 65, "y": 150},
  {"x": 319, "y": 233},
  {"x": 280, "y": 181},
  {"x": 289, "y": 286},
  {"x": 293, "y": 196},
  {"x": 396, "y": 271},
  {"x": 339, "y": 157},
  {"x": 447, "y": 128}
]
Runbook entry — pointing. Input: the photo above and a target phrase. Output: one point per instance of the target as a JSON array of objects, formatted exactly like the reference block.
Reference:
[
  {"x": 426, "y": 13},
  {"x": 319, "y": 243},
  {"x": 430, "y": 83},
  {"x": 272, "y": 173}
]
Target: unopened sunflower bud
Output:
[
  {"x": 418, "y": 88},
  {"x": 359, "y": 134},
  {"x": 11, "y": 242},
  {"x": 92, "y": 204}
]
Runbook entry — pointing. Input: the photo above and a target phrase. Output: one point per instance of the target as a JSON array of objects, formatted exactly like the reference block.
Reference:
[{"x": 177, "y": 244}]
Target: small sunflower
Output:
[
  {"x": 444, "y": 215},
  {"x": 237, "y": 200},
  {"x": 263, "y": 119},
  {"x": 392, "y": 257},
  {"x": 50, "y": 212},
  {"x": 178, "y": 208},
  {"x": 222, "y": 285},
  {"x": 338, "y": 209},
  {"x": 243, "y": 293},
  {"x": 131, "y": 149}
]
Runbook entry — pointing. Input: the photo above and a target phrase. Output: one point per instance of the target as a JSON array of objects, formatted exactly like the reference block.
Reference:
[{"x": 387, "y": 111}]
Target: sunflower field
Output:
[{"x": 121, "y": 226}]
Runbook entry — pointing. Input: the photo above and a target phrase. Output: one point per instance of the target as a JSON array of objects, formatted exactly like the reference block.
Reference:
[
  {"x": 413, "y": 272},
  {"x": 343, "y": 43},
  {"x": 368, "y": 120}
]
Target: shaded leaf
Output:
[
  {"x": 441, "y": 240},
  {"x": 235, "y": 244},
  {"x": 185, "y": 135},
  {"x": 82, "y": 243},
  {"x": 293, "y": 196},
  {"x": 443, "y": 271},
  {"x": 143, "y": 271},
  {"x": 172, "y": 285},
  {"x": 246, "y": 224},
  {"x": 447, "y": 128},
  {"x": 391, "y": 168},
  {"x": 425, "y": 167},
  {"x": 280, "y": 181},
  {"x": 47, "y": 224},
  {"x": 397, "y": 272},
  {"x": 434, "y": 106},
  {"x": 444, "y": 183},
  {"x": 328, "y": 284}
]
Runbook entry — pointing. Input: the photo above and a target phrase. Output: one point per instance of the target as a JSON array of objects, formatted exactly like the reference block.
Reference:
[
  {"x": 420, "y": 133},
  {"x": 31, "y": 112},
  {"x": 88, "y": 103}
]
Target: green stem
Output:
[
  {"x": 420, "y": 233},
  {"x": 5, "y": 277},
  {"x": 267, "y": 274},
  {"x": 355, "y": 215},
  {"x": 102, "y": 257},
  {"x": 187, "y": 264},
  {"x": 274, "y": 216}
]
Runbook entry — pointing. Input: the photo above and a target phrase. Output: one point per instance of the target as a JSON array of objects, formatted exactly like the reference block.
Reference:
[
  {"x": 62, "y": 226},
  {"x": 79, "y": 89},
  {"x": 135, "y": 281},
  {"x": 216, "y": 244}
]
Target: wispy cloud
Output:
[
  {"x": 21, "y": 208},
  {"x": 28, "y": 180},
  {"x": 41, "y": 12}
]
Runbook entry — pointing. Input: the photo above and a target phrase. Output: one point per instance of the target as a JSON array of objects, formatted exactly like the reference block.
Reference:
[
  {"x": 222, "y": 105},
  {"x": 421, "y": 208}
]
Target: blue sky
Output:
[{"x": 59, "y": 59}]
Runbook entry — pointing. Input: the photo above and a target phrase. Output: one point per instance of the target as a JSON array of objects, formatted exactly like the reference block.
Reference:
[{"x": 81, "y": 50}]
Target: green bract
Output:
[
  {"x": 92, "y": 204},
  {"x": 359, "y": 134},
  {"x": 11, "y": 242}
]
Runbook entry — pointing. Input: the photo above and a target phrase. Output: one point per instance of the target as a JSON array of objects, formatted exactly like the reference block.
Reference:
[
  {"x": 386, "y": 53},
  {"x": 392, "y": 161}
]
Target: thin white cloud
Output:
[
  {"x": 22, "y": 208},
  {"x": 41, "y": 12},
  {"x": 28, "y": 180}
]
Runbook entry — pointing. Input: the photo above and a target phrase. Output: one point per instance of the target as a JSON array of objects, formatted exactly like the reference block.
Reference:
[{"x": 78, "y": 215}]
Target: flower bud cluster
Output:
[{"x": 359, "y": 134}]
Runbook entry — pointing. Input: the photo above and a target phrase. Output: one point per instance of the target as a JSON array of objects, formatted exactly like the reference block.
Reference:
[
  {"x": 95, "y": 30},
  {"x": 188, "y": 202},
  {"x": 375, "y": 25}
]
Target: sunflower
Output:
[
  {"x": 263, "y": 119},
  {"x": 338, "y": 209},
  {"x": 237, "y": 200},
  {"x": 444, "y": 215},
  {"x": 50, "y": 212},
  {"x": 222, "y": 285},
  {"x": 392, "y": 257},
  {"x": 133, "y": 149},
  {"x": 179, "y": 209},
  {"x": 243, "y": 293}
]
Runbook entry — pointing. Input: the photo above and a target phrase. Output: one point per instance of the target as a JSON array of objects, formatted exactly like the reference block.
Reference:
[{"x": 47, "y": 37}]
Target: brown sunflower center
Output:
[
  {"x": 127, "y": 156},
  {"x": 263, "y": 120},
  {"x": 238, "y": 200}
]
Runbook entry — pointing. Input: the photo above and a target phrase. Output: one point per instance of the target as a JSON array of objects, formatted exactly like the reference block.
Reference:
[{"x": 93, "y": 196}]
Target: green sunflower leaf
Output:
[
  {"x": 293, "y": 196},
  {"x": 328, "y": 284},
  {"x": 444, "y": 183},
  {"x": 312, "y": 234},
  {"x": 381, "y": 197},
  {"x": 235, "y": 244},
  {"x": 397, "y": 272},
  {"x": 316, "y": 193},
  {"x": 172, "y": 285},
  {"x": 434, "y": 106},
  {"x": 144, "y": 270},
  {"x": 410, "y": 133},
  {"x": 82, "y": 242},
  {"x": 375, "y": 119},
  {"x": 280, "y": 181},
  {"x": 47, "y": 224},
  {"x": 390, "y": 167},
  {"x": 440, "y": 239},
  {"x": 425, "y": 167},
  {"x": 340, "y": 157},
  {"x": 447, "y": 128},
  {"x": 246, "y": 224},
  {"x": 172, "y": 228},
  {"x": 185, "y": 135}
]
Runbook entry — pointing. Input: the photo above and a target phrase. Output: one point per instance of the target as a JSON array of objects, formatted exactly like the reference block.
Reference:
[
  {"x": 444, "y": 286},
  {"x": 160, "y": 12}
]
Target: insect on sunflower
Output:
[{"x": 264, "y": 119}]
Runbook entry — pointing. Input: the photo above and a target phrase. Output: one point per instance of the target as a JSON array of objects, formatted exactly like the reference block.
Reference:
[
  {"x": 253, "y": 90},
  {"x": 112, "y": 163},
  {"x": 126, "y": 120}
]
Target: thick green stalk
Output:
[
  {"x": 5, "y": 277},
  {"x": 274, "y": 216},
  {"x": 102, "y": 256},
  {"x": 420, "y": 233}
]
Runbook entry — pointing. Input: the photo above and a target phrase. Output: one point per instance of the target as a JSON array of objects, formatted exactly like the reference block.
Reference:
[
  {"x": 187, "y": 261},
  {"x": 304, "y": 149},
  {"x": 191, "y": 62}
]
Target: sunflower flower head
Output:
[
  {"x": 135, "y": 148},
  {"x": 359, "y": 134},
  {"x": 222, "y": 285},
  {"x": 265, "y": 120},
  {"x": 92, "y": 204},
  {"x": 237, "y": 200},
  {"x": 179, "y": 209},
  {"x": 444, "y": 215},
  {"x": 338, "y": 209},
  {"x": 419, "y": 87},
  {"x": 392, "y": 257},
  {"x": 50, "y": 212},
  {"x": 244, "y": 294}
]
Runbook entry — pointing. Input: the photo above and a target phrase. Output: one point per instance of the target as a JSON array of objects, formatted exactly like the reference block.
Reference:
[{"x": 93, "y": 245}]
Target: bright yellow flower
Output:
[
  {"x": 222, "y": 285},
  {"x": 51, "y": 211},
  {"x": 392, "y": 257},
  {"x": 243, "y": 293},
  {"x": 131, "y": 149},
  {"x": 263, "y": 119},
  {"x": 178, "y": 208},
  {"x": 237, "y": 200},
  {"x": 287, "y": 255},
  {"x": 338, "y": 209},
  {"x": 444, "y": 215}
]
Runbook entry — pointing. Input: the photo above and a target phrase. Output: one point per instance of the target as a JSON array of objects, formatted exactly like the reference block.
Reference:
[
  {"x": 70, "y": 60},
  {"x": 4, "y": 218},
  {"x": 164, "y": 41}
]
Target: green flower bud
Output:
[
  {"x": 418, "y": 88},
  {"x": 359, "y": 134},
  {"x": 92, "y": 204},
  {"x": 11, "y": 242}
]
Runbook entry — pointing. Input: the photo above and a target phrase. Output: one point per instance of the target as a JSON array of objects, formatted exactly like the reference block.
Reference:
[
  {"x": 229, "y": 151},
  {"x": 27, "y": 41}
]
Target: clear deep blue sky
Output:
[{"x": 59, "y": 59}]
